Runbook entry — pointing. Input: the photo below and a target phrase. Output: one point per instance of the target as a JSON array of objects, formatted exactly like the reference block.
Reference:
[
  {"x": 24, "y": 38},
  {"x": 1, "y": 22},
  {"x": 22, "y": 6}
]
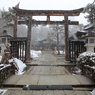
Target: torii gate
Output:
[{"x": 48, "y": 13}]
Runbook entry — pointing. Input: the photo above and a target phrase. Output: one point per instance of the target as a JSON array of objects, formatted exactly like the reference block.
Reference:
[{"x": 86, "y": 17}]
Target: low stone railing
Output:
[
  {"x": 6, "y": 71},
  {"x": 89, "y": 71}
]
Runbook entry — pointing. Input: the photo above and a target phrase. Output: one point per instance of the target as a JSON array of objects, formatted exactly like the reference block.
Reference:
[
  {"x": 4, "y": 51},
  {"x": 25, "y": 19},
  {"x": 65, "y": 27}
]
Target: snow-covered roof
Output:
[
  {"x": 89, "y": 26},
  {"x": 5, "y": 34},
  {"x": 90, "y": 34}
]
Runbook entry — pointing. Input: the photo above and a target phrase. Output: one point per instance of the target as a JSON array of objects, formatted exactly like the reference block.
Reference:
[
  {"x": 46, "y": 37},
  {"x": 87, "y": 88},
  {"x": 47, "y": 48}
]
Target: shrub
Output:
[{"x": 86, "y": 58}]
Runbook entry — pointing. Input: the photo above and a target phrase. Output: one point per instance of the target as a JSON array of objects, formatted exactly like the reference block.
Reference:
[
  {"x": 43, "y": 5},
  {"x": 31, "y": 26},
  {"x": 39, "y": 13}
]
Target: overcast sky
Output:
[{"x": 48, "y": 5}]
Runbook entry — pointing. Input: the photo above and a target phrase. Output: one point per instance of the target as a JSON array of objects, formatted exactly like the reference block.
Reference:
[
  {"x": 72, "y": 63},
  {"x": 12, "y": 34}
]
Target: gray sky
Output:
[{"x": 49, "y": 5}]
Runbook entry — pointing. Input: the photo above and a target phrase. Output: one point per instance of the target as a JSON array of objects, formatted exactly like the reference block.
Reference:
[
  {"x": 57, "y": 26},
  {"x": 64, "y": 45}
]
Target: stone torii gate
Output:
[{"x": 48, "y": 13}]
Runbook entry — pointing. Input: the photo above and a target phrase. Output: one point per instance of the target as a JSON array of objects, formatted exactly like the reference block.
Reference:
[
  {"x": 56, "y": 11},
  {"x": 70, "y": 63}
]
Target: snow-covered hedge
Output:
[{"x": 86, "y": 58}]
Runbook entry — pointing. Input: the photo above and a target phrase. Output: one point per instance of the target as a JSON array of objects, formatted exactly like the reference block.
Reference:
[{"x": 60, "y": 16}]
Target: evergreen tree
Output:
[
  {"x": 90, "y": 10},
  {"x": 6, "y": 20}
]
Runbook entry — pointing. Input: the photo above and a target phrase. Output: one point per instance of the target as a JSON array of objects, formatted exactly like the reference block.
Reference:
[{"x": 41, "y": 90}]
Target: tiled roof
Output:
[{"x": 5, "y": 34}]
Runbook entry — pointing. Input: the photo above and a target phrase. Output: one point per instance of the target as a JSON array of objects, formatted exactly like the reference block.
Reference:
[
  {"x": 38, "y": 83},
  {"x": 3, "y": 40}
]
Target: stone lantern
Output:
[{"x": 90, "y": 42}]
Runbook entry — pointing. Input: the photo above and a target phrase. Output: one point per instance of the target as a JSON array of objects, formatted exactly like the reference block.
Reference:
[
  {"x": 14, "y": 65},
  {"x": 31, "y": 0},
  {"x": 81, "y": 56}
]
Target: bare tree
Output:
[{"x": 58, "y": 29}]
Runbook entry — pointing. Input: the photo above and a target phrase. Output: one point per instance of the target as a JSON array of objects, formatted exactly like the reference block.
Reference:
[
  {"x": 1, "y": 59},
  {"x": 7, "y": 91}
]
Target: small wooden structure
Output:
[{"x": 30, "y": 13}]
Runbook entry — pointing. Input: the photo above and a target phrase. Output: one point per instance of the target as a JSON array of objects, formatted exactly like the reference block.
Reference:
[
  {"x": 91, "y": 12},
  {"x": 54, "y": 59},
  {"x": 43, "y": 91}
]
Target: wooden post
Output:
[
  {"x": 48, "y": 19},
  {"x": 28, "y": 47},
  {"x": 15, "y": 26},
  {"x": 66, "y": 39}
]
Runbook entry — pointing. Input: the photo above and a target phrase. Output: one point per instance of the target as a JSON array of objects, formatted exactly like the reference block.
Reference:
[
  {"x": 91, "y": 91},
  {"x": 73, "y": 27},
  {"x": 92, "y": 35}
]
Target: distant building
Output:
[
  {"x": 80, "y": 34},
  {"x": 4, "y": 40}
]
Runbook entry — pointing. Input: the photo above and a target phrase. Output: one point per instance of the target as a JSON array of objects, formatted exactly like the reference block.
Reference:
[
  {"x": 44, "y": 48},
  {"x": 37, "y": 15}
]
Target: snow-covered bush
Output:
[{"x": 86, "y": 58}]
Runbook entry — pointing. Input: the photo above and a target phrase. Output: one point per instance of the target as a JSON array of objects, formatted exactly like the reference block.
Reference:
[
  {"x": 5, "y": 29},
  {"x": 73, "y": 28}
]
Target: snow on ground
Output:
[
  {"x": 56, "y": 52},
  {"x": 4, "y": 66},
  {"x": 19, "y": 64},
  {"x": 2, "y": 91},
  {"x": 35, "y": 54}
]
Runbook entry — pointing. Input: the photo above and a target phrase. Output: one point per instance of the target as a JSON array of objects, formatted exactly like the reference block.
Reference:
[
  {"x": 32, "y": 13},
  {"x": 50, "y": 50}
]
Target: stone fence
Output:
[
  {"x": 6, "y": 71},
  {"x": 89, "y": 71}
]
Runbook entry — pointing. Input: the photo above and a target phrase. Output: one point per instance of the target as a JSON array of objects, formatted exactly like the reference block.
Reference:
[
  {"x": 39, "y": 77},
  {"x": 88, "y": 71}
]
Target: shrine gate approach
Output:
[{"x": 30, "y": 13}]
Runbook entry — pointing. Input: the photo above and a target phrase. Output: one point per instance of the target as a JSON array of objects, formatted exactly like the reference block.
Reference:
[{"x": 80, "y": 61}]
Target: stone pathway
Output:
[{"x": 47, "y": 72}]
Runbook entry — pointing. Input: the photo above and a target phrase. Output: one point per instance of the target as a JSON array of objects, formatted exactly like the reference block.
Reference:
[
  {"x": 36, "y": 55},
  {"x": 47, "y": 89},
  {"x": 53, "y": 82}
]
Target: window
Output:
[
  {"x": 91, "y": 40},
  {"x": 3, "y": 40}
]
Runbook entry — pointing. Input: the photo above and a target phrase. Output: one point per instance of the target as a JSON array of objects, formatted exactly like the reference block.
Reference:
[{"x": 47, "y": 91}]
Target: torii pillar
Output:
[
  {"x": 28, "y": 46},
  {"x": 66, "y": 39}
]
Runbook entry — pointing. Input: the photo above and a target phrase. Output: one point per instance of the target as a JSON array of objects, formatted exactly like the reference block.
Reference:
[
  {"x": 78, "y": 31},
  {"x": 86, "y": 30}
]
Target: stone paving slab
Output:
[
  {"x": 28, "y": 80},
  {"x": 48, "y": 80},
  {"x": 83, "y": 79},
  {"x": 46, "y": 92},
  {"x": 12, "y": 80}
]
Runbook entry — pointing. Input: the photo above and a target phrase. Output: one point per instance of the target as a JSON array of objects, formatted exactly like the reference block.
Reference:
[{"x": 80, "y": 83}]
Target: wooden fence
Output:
[
  {"x": 75, "y": 48},
  {"x": 18, "y": 48}
]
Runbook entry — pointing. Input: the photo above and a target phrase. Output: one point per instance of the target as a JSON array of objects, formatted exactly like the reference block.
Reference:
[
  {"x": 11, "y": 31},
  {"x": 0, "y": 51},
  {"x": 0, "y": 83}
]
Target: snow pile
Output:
[
  {"x": 19, "y": 65},
  {"x": 35, "y": 54},
  {"x": 86, "y": 58},
  {"x": 2, "y": 91},
  {"x": 0, "y": 58},
  {"x": 93, "y": 92},
  {"x": 3, "y": 66},
  {"x": 76, "y": 70},
  {"x": 56, "y": 52},
  {"x": 93, "y": 67}
]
